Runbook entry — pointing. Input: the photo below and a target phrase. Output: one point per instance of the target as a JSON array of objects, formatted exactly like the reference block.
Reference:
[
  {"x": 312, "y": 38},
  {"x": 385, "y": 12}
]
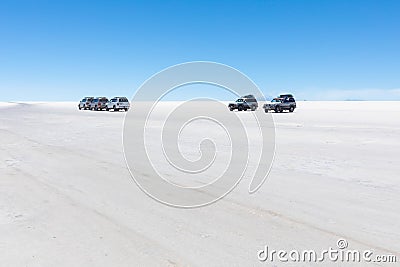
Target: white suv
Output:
[
  {"x": 118, "y": 103},
  {"x": 85, "y": 103}
]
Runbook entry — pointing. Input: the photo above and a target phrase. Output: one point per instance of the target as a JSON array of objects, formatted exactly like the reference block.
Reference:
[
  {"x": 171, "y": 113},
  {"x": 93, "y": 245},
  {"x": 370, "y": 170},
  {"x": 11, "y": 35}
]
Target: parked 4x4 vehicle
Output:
[
  {"x": 118, "y": 103},
  {"x": 85, "y": 103},
  {"x": 99, "y": 103},
  {"x": 279, "y": 104},
  {"x": 244, "y": 103}
]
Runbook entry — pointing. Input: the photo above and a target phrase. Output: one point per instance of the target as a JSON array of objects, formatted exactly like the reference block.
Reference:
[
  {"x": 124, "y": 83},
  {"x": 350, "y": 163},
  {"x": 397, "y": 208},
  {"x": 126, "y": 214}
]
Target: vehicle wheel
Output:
[
  {"x": 240, "y": 108},
  {"x": 107, "y": 109},
  {"x": 291, "y": 109},
  {"x": 79, "y": 108},
  {"x": 277, "y": 109},
  {"x": 266, "y": 110},
  {"x": 231, "y": 108},
  {"x": 126, "y": 110},
  {"x": 114, "y": 108},
  {"x": 253, "y": 108}
]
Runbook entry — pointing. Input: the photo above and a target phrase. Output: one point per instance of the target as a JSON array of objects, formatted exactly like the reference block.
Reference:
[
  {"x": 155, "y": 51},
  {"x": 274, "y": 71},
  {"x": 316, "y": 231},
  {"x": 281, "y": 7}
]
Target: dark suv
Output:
[
  {"x": 244, "y": 103},
  {"x": 281, "y": 103},
  {"x": 99, "y": 103}
]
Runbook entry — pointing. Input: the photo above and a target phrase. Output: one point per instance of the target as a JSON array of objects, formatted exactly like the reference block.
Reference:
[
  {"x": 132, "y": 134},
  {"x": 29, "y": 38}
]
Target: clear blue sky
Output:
[{"x": 317, "y": 49}]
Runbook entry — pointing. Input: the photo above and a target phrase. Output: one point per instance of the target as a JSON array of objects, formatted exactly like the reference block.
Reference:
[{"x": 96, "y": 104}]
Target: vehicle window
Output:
[
  {"x": 114, "y": 100},
  {"x": 291, "y": 99},
  {"x": 239, "y": 100}
]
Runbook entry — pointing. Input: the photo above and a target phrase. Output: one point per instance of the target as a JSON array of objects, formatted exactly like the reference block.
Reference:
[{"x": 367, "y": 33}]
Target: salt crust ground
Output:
[{"x": 67, "y": 199}]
